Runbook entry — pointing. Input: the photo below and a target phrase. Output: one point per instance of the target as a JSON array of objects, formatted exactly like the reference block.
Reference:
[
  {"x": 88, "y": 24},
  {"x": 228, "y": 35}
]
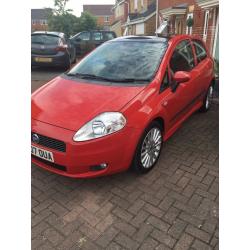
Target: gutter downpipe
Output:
[{"x": 157, "y": 14}]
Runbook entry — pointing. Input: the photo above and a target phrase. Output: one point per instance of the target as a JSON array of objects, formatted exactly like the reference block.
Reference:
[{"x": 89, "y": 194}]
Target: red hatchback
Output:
[{"x": 115, "y": 108}]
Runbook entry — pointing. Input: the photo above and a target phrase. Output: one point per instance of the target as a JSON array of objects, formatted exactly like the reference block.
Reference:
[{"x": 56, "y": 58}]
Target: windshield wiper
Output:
[
  {"x": 89, "y": 76},
  {"x": 129, "y": 80},
  {"x": 95, "y": 77}
]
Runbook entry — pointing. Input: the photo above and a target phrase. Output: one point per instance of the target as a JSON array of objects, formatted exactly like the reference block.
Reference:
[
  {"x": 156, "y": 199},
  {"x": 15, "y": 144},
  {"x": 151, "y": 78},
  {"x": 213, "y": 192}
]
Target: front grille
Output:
[
  {"x": 49, "y": 142},
  {"x": 51, "y": 164}
]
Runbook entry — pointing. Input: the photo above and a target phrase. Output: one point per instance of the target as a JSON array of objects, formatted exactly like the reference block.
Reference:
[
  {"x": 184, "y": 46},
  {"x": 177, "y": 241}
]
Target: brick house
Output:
[
  {"x": 39, "y": 19},
  {"x": 141, "y": 18},
  {"x": 103, "y": 13},
  {"x": 210, "y": 13},
  {"x": 205, "y": 15},
  {"x": 120, "y": 13}
]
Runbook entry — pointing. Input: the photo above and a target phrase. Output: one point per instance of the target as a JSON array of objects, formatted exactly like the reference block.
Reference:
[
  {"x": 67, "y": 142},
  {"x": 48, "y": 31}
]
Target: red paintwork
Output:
[
  {"x": 62, "y": 106},
  {"x": 79, "y": 104},
  {"x": 181, "y": 76}
]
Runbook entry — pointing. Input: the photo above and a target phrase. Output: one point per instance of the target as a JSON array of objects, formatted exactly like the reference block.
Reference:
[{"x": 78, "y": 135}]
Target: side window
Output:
[
  {"x": 165, "y": 82},
  {"x": 108, "y": 36},
  {"x": 182, "y": 58},
  {"x": 97, "y": 36},
  {"x": 200, "y": 51},
  {"x": 85, "y": 36}
]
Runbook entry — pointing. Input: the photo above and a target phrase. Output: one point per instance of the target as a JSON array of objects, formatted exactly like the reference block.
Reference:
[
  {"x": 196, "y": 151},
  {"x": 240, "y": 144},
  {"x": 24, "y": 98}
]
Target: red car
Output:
[{"x": 115, "y": 108}]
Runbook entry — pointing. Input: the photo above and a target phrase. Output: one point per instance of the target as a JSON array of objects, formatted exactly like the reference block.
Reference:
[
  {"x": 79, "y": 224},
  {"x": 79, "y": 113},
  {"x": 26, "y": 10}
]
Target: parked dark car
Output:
[
  {"x": 52, "y": 49},
  {"x": 86, "y": 41}
]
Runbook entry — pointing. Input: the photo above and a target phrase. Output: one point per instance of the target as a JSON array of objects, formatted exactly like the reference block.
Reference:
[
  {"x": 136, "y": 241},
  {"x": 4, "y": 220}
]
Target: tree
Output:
[
  {"x": 60, "y": 19},
  {"x": 85, "y": 22},
  {"x": 60, "y": 7},
  {"x": 62, "y": 23}
]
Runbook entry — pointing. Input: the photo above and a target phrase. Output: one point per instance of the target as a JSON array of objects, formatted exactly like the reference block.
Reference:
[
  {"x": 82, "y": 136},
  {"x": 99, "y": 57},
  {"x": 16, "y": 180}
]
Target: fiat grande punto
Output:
[{"x": 117, "y": 106}]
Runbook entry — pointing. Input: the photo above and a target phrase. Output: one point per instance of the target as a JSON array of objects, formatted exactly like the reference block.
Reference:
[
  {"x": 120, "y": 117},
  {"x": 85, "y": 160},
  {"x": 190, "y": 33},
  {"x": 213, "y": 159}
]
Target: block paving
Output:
[{"x": 175, "y": 206}]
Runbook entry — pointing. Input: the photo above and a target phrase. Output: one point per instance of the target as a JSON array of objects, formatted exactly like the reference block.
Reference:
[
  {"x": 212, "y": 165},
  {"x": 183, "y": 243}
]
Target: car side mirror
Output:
[{"x": 181, "y": 77}]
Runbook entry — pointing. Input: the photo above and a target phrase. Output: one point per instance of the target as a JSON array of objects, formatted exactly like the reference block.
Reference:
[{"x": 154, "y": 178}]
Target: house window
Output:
[
  {"x": 106, "y": 19},
  {"x": 43, "y": 22},
  {"x": 206, "y": 25}
]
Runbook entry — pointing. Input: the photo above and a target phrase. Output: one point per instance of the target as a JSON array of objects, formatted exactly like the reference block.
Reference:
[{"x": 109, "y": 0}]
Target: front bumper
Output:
[{"x": 117, "y": 150}]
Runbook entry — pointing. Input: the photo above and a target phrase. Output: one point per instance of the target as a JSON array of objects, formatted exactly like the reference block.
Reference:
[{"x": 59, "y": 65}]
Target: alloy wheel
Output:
[
  {"x": 209, "y": 97},
  {"x": 151, "y": 148}
]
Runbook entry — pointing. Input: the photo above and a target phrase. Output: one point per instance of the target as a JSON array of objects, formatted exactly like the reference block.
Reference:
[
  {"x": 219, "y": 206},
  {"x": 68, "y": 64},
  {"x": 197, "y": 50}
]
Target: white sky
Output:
[{"x": 76, "y": 5}]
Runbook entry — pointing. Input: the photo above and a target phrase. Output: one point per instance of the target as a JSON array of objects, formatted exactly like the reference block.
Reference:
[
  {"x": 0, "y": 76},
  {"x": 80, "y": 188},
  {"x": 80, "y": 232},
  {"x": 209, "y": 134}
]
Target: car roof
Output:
[
  {"x": 54, "y": 33},
  {"x": 171, "y": 39},
  {"x": 141, "y": 38},
  {"x": 97, "y": 31}
]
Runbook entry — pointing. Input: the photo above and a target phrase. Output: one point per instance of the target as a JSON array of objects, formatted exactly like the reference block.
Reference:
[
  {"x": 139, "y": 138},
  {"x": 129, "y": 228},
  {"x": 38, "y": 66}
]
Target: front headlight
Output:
[{"x": 104, "y": 124}]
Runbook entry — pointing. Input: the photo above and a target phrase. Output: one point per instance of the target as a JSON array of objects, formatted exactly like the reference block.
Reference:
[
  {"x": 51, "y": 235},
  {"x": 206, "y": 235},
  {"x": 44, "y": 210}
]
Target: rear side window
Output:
[
  {"x": 200, "y": 51},
  {"x": 45, "y": 39},
  {"x": 182, "y": 58},
  {"x": 97, "y": 36},
  {"x": 108, "y": 36}
]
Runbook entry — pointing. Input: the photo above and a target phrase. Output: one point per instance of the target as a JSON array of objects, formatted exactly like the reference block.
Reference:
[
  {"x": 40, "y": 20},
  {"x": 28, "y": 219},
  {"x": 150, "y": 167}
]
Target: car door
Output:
[
  {"x": 82, "y": 43},
  {"x": 176, "y": 98},
  {"x": 203, "y": 69}
]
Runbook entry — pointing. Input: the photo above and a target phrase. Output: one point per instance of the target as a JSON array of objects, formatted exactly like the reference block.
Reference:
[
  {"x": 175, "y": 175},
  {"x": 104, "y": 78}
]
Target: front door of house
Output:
[{"x": 179, "y": 24}]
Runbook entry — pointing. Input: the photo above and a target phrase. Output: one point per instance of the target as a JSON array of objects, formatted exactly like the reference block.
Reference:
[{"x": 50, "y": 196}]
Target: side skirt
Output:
[{"x": 172, "y": 130}]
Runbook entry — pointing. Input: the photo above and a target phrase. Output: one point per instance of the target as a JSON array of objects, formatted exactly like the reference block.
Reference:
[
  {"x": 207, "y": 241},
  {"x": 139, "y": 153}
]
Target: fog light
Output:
[{"x": 99, "y": 167}]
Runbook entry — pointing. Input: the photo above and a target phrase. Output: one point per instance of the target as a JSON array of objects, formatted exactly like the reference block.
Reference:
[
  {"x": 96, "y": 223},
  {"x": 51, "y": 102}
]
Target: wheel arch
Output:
[{"x": 159, "y": 120}]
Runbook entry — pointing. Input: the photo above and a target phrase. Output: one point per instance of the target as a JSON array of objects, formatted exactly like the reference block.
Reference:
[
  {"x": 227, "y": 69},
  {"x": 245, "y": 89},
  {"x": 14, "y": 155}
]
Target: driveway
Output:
[
  {"x": 40, "y": 76},
  {"x": 175, "y": 206}
]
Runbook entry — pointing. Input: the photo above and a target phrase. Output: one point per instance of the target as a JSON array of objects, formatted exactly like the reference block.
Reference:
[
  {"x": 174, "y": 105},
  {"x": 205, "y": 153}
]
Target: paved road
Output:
[
  {"x": 40, "y": 76},
  {"x": 175, "y": 206}
]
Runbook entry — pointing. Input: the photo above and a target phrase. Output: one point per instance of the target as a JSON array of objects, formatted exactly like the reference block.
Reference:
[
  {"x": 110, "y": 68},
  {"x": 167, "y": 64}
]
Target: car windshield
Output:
[
  {"x": 122, "y": 61},
  {"x": 44, "y": 39}
]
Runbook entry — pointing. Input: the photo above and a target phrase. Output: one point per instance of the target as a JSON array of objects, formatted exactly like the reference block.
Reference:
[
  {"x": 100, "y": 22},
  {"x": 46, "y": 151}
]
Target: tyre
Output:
[
  {"x": 148, "y": 149},
  {"x": 207, "y": 99}
]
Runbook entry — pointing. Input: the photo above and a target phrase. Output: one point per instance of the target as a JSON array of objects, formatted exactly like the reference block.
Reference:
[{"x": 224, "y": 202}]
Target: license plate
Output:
[
  {"x": 41, "y": 153},
  {"x": 43, "y": 59}
]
